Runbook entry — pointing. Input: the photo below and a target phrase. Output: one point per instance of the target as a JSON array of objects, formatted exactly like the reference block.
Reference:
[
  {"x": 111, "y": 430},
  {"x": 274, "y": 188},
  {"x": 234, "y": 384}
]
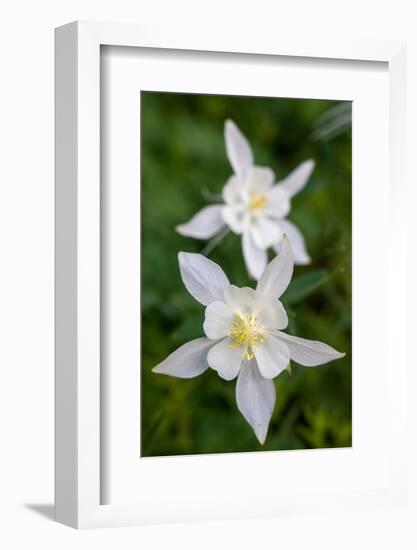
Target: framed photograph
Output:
[{"x": 230, "y": 235}]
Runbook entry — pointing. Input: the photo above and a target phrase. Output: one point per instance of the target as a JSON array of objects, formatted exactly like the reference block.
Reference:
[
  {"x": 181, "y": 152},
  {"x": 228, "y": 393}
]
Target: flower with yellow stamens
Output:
[
  {"x": 244, "y": 338},
  {"x": 254, "y": 206}
]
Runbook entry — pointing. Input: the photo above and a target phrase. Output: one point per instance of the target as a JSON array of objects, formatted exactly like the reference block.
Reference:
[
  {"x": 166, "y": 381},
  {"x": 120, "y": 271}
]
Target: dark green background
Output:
[{"x": 183, "y": 153}]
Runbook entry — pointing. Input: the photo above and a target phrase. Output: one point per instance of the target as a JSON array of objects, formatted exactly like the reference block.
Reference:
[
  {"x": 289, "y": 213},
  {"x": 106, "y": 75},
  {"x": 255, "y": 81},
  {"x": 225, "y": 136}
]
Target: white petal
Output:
[
  {"x": 265, "y": 232},
  {"x": 188, "y": 361},
  {"x": 203, "y": 225},
  {"x": 272, "y": 356},
  {"x": 297, "y": 243},
  {"x": 203, "y": 279},
  {"x": 297, "y": 179},
  {"x": 226, "y": 358},
  {"x": 259, "y": 178},
  {"x": 255, "y": 397},
  {"x": 218, "y": 318},
  {"x": 272, "y": 314},
  {"x": 255, "y": 258},
  {"x": 238, "y": 150},
  {"x": 277, "y": 274},
  {"x": 309, "y": 352},
  {"x": 235, "y": 191},
  {"x": 278, "y": 205},
  {"x": 234, "y": 218},
  {"x": 240, "y": 300}
]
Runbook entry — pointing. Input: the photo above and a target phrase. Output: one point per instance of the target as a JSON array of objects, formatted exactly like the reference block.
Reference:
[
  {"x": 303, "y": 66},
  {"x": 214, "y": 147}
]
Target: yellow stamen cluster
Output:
[
  {"x": 246, "y": 331},
  {"x": 257, "y": 201}
]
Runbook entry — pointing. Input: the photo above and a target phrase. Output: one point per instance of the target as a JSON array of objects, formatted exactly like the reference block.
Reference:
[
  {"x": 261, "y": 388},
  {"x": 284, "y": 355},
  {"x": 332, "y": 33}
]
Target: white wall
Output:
[{"x": 26, "y": 272}]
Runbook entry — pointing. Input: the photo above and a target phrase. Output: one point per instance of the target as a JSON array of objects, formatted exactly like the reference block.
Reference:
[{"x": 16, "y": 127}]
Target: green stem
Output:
[
  {"x": 215, "y": 241},
  {"x": 209, "y": 196}
]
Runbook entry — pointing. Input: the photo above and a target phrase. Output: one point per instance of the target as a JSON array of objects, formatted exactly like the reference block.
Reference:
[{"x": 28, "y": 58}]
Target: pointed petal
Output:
[
  {"x": 226, "y": 358},
  {"x": 278, "y": 205},
  {"x": 272, "y": 356},
  {"x": 218, "y": 318},
  {"x": 272, "y": 314},
  {"x": 188, "y": 361},
  {"x": 203, "y": 225},
  {"x": 259, "y": 178},
  {"x": 203, "y": 279},
  {"x": 298, "y": 178},
  {"x": 255, "y": 258},
  {"x": 234, "y": 218},
  {"x": 265, "y": 232},
  {"x": 235, "y": 192},
  {"x": 241, "y": 300},
  {"x": 255, "y": 397},
  {"x": 277, "y": 274},
  {"x": 309, "y": 353},
  {"x": 297, "y": 242},
  {"x": 238, "y": 150}
]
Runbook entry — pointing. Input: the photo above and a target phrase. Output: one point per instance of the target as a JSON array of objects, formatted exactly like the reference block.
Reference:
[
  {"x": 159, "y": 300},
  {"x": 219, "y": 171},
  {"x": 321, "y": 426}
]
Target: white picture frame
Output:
[{"x": 79, "y": 409}]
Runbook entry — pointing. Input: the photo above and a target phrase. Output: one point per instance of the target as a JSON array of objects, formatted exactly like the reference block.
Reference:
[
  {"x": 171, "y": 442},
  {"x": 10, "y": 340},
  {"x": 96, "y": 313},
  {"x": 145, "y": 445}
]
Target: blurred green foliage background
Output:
[{"x": 182, "y": 158}]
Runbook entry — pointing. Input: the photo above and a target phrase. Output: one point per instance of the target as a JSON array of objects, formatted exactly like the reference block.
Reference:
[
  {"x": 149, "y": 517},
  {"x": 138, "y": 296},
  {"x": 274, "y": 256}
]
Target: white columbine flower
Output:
[
  {"x": 254, "y": 206},
  {"x": 244, "y": 337}
]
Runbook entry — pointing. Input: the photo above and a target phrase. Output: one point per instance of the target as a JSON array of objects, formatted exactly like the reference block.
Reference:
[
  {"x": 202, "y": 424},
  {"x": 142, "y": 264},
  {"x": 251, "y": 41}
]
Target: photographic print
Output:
[{"x": 246, "y": 217}]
